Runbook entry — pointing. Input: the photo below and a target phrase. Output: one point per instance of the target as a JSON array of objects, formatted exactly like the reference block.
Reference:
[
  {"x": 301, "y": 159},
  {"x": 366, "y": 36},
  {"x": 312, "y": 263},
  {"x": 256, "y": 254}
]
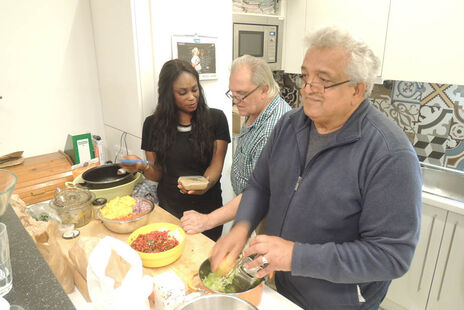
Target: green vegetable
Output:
[
  {"x": 220, "y": 284},
  {"x": 44, "y": 217}
]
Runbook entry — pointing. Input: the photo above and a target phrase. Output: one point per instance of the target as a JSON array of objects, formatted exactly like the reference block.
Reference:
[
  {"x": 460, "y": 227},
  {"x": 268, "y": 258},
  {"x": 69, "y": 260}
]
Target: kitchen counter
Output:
[
  {"x": 34, "y": 284},
  {"x": 197, "y": 249}
]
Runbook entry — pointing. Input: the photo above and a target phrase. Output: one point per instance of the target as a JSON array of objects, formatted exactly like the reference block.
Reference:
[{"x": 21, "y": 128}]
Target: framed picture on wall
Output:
[{"x": 200, "y": 51}]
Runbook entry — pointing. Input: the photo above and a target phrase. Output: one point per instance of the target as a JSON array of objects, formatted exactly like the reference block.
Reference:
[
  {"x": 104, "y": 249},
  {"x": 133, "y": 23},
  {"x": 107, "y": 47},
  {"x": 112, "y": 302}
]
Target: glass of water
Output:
[{"x": 6, "y": 275}]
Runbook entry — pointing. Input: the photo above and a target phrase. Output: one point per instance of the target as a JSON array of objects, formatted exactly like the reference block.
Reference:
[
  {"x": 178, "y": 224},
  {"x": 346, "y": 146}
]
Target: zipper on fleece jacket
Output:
[{"x": 298, "y": 182}]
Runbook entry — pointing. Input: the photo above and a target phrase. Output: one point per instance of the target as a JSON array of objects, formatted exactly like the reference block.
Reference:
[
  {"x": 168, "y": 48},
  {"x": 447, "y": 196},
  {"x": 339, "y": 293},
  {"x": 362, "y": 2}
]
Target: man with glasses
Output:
[
  {"x": 340, "y": 185},
  {"x": 255, "y": 93}
]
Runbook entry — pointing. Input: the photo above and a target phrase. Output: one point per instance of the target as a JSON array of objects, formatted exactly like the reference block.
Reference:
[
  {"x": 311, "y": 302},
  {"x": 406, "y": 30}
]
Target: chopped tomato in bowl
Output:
[{"x": 158, "y": 244}]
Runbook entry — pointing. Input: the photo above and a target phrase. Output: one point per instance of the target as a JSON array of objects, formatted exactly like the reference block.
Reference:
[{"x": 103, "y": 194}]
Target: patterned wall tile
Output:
[
  {"x": 459, "y": 111},
  {"x": 407, "y": 91},
  {"x": 434, "y": 121},
  {"x": 455, "y": 156},
  {"x": 456, "y": 130},
  {"x": 430, "y": 149},
  {"x": 437, "y": 95},
  {"x": 288, "y": 90},
  {"x": 404, "y": 114},
  {"x": 456, "y": 93}
]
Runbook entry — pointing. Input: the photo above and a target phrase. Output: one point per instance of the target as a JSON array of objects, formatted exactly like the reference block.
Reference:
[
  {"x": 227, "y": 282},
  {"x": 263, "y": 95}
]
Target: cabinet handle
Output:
[
  {"x": 447, "y": 259},
  {"x": 426, "y": 253}
]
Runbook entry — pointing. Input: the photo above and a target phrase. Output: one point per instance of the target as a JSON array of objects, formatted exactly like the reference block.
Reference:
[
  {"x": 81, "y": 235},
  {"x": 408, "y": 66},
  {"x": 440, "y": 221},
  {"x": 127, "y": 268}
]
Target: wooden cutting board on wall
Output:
[{"x": 39, "y": 176}]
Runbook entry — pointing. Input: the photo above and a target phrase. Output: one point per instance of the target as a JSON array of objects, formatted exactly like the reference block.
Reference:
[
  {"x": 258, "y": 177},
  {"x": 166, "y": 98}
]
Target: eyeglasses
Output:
[
  {"x": 237, "y": 98},
  {"x": 317, "y": 87}
]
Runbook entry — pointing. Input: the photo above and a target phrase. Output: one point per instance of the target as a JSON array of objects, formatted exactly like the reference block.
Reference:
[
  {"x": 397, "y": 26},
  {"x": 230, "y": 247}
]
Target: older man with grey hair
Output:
[
  {"x": 254, "y": 91},
  {"x": 340, "y": 184}
]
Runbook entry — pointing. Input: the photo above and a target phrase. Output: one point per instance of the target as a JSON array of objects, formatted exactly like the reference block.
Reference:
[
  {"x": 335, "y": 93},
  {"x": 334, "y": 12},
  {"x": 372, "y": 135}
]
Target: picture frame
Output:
[{"x": 198, "y": 50}]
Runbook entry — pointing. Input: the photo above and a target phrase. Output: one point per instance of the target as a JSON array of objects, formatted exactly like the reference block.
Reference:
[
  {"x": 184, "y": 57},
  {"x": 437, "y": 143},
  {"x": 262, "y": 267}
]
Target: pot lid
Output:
[{"x": 72, "y": 197}]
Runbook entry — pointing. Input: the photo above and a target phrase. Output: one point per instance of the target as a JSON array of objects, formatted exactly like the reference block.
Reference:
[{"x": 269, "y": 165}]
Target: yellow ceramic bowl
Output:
[{"x": 163, "y": 258}]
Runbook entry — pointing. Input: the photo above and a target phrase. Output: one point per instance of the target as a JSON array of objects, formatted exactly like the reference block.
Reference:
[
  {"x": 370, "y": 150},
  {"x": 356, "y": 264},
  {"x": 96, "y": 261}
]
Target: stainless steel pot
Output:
[
  {"x": 251, "y": 294},
  {"x": 217, "y": 301}
]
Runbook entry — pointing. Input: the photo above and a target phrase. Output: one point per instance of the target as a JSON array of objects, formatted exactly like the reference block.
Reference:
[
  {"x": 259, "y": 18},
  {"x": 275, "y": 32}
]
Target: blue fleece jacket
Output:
[{"x": 353, "y": 212}]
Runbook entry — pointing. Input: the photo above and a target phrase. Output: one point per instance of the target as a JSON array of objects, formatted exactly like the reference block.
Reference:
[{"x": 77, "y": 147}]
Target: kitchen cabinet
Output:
[
  {"x": 411, "y": 290},
  {"x": 307, "y": 15},
  {"x": 423, "y": 42},
  {"x": 435, "y": 280},
  {"x": 293, "y": 49},
  {"x": 448, "y": 280},
  {"x": 415, "y": 40}
]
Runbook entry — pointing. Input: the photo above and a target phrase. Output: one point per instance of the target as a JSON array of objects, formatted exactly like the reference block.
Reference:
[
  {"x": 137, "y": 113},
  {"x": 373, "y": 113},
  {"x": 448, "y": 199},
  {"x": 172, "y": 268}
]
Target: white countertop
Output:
[
  {"x": 443, "y": 202},
  {"x": 271, "y": 300}
]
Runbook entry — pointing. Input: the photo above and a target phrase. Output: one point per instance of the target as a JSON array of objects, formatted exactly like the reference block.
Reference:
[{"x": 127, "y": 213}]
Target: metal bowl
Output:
[
  {"x": 125, "y": 227},
  {"x": 252, "y": 294},
  {"x": 217, "y": 301}
]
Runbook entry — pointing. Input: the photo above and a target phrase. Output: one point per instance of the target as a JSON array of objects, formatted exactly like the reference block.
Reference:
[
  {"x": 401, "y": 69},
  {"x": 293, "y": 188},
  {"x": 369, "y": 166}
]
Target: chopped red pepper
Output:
[{"x": 154, "y": 242}]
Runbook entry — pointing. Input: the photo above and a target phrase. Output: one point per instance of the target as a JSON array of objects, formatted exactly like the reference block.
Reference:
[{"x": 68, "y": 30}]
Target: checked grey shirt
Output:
[{"x": 251, "y": 140}]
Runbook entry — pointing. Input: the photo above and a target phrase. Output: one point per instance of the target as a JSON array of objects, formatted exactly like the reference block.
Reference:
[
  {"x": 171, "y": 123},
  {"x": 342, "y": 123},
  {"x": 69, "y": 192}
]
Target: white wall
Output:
[{"x": 48, "y": 75}]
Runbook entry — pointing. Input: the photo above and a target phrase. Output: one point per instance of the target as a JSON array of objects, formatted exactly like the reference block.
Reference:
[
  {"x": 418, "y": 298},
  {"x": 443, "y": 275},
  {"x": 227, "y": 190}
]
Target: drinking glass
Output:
[
  {"x": 7, "y": 185},
  {"x": 6, "y": 275}
]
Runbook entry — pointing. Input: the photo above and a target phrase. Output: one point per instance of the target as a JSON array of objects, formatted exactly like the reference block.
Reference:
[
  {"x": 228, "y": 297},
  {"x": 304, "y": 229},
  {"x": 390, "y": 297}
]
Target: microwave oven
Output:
[{"x": 259, "y": 36}]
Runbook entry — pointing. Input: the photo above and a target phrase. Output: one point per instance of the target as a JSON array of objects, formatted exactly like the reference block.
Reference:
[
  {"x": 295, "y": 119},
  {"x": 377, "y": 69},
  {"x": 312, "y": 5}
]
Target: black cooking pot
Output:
[{"x": 105, "y": 175}]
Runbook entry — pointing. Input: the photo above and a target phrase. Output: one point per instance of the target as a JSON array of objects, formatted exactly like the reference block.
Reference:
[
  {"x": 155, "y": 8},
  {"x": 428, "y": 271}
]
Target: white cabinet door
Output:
[
  {"x": 366, "y": 18},
  {"x": 411, "y": 291},
  {"x": 448, "y": 282},
  {"x": 424, "y": 41},
  {"x": 294, "y": 33}
]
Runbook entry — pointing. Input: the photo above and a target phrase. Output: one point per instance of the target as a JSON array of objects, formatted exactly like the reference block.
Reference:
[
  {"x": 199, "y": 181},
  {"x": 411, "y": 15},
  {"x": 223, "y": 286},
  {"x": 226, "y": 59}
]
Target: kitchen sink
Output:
[{"x": 443, "y": 182}]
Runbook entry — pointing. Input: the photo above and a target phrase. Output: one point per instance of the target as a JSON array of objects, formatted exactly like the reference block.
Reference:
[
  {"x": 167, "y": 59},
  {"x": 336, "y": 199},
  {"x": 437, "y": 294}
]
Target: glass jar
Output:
[{"x": 73, "y": 206}]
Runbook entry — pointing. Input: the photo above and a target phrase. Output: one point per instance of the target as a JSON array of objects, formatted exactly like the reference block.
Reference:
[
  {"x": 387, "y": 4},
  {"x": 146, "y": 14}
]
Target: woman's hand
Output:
[
  {"x": 132, "y": 167},
  {"x": 183, "y": 190},
  {"x": 277, "y": 252},
  {"x": 194, "y": 222}
]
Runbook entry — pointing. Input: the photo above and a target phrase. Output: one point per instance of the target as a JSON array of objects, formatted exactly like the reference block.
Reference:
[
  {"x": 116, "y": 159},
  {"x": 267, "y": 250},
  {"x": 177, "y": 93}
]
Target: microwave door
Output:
[{"x": 250, "y": 40}]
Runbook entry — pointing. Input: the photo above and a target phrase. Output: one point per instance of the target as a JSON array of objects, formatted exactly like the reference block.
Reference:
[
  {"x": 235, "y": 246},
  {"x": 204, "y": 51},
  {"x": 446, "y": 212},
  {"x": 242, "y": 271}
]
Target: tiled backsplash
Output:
[{"x": 432, "y": 115}]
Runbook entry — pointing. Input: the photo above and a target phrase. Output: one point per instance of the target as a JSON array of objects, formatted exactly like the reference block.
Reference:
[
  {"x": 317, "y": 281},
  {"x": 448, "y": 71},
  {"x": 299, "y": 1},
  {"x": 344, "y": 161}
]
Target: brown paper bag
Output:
[
  {"x": 45, "y": 235},
  {"x": 55, "y": 258},
  {"x": 81, "y": 283},
  {"x": 80, "y": 251}
]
